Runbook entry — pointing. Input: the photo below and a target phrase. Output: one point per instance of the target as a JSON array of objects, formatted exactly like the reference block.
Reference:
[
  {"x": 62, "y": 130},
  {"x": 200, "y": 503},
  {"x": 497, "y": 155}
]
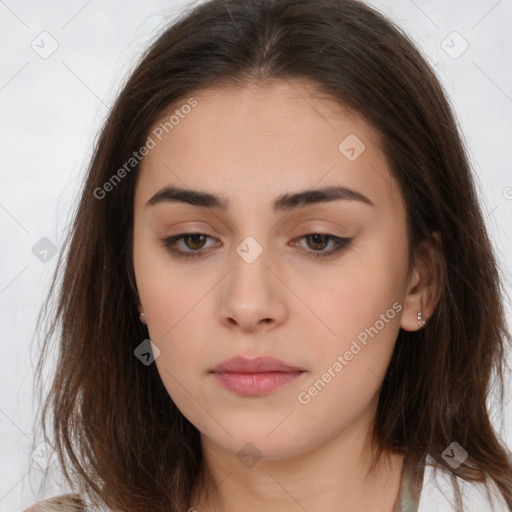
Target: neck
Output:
[{"x": 336, "y": 475}]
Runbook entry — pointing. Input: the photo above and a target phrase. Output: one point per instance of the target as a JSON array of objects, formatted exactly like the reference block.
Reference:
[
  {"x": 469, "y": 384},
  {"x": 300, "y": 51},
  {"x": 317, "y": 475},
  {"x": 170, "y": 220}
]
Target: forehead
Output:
[{"x": 266, "y": 137}]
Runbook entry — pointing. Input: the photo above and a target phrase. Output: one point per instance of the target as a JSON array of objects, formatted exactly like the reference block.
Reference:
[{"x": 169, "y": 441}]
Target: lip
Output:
[
  {"x": 261, "y": 364},
  {"x": 255, "y": 376}
]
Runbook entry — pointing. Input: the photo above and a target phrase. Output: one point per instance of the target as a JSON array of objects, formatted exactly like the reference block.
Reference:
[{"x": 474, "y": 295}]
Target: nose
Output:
[{"x": 252, "y": 296}]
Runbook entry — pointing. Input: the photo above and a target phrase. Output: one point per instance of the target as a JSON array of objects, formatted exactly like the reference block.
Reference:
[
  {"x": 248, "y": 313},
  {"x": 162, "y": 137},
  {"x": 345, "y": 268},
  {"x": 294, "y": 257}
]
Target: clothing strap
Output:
[{"x": 411, "y": 483}]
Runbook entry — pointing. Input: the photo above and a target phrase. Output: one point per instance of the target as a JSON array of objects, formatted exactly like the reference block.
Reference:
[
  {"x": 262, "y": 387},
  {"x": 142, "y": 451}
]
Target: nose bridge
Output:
[
  {"x": 251, "y": 292},
  {"x": 249, "y": 277}
]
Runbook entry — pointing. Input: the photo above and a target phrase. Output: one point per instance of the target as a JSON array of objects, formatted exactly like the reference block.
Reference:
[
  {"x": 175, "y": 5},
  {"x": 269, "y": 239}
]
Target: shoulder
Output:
[
  {"x": 63, "y": 503},
  {"x": 438, "y": 493}
]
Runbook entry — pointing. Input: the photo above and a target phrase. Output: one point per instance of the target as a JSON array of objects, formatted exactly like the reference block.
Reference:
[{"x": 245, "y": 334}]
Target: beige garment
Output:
[{"x": 63, "y": 503}]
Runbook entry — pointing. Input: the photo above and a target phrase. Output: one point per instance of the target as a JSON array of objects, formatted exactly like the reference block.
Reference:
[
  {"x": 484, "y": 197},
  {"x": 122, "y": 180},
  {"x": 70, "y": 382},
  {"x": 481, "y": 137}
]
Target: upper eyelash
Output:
[{"x": 340, "y": 244}]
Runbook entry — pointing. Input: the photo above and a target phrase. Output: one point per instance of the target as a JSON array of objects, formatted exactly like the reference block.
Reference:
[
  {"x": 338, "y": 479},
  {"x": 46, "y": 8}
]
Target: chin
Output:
[{"x": 256, "y": 443}]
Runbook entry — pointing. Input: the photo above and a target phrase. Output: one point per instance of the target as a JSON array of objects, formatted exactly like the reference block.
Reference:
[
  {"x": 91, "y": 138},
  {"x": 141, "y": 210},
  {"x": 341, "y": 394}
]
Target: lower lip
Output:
[{"x": 253, "y": 384}]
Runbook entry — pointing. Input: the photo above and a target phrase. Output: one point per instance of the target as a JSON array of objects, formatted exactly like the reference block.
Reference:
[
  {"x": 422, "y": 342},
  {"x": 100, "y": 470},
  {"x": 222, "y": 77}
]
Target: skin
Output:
[{"x": 250, "y": 145}]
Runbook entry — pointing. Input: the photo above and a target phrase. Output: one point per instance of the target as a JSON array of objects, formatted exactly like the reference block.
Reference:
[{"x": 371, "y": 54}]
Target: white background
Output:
[{"x": 51, "y": 110}]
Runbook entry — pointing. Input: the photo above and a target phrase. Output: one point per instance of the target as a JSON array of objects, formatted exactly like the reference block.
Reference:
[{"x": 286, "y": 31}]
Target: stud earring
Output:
[
  {"x": 142, "y": 316},
  {"x": 421, "y": 322}
]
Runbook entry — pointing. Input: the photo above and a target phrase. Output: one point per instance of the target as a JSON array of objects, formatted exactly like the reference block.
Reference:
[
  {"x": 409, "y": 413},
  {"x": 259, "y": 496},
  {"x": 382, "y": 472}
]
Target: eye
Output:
[
  {"x": 319, "y": 241},
  {"x": 193, "y": 241},
  {"x": 193, "y": 244}
]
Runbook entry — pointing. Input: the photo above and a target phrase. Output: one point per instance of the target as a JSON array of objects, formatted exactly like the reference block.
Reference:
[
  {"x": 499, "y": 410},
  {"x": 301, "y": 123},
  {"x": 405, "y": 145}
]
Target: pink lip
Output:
[{"x": 255, "y": 376}]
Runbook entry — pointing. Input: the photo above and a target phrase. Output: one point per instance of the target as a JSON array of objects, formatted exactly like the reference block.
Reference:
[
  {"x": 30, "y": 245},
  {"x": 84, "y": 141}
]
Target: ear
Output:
[{"x": 425, "y": 284}]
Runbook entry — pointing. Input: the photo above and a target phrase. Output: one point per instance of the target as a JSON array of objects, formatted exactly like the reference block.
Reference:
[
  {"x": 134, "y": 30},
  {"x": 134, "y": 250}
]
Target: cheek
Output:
[
  {"x": 176, "y": 307},
  {"x": 174, "y": 323},
  {"x": 166, "y": 292},
  {"x": 351, "y": 364},
  {"x": 365, "y": 287},
  {"x": 362, "y": 309},
  {"x": 175, "y": 314}
]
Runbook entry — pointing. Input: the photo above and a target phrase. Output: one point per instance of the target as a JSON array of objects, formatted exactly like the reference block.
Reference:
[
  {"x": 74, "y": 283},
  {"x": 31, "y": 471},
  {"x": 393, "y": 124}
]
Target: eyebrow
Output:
[{"x": 283, "y": 202}]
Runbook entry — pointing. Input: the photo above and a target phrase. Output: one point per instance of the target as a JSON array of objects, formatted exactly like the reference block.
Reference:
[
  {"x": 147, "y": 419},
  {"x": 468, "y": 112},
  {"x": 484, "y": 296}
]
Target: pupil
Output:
[
  {"x": 317, "y": 239},
  {"x": 195, "y": 240}
]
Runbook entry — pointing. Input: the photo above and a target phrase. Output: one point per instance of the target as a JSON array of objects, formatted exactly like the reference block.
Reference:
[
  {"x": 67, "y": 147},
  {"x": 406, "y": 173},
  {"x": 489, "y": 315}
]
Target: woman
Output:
[{"x": 279, "y": 292}]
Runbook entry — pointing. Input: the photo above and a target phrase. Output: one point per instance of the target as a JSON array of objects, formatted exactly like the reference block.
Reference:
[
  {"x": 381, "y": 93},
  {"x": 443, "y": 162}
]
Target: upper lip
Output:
[{"x": 262, "y": 364}]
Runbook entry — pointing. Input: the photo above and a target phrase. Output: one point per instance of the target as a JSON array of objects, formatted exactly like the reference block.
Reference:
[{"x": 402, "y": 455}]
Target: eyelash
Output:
[{"x": 340, "y": 243}]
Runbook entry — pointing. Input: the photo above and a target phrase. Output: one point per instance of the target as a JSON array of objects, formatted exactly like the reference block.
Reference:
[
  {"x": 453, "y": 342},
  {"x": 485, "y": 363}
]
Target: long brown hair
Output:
[{"x": 117, "y": 432}]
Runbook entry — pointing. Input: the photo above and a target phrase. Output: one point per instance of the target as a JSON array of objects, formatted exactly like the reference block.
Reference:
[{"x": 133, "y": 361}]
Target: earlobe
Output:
[{"x": 410, "y": 322}]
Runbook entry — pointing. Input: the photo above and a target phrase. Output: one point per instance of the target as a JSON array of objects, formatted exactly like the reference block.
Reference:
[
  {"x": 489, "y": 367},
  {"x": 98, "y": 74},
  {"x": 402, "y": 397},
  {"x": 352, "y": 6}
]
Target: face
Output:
[{"x": 302, "y": 256}]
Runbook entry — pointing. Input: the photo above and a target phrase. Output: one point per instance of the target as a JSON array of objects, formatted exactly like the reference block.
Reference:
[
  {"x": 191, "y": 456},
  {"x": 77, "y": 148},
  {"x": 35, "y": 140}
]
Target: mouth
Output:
[{"x": 256, "y": 376}]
